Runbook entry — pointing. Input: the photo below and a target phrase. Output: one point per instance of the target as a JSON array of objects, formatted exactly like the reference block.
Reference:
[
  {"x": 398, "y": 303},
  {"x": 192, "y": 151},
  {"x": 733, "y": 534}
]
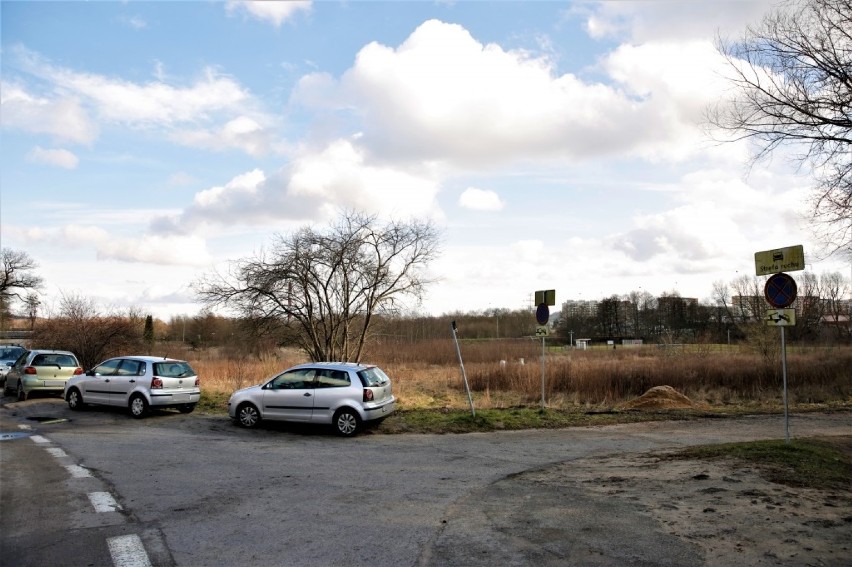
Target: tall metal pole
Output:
[
  {"x": 784, "y": 372},
  {"x": 464, "y": 374},
  {"x": 542, "y": 372}
]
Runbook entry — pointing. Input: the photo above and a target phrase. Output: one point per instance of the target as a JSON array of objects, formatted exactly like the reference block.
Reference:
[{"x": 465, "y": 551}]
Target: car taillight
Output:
[
  {"x": 368, "y": 395},
  {"x": 197, "y": 381},
  {"x": 156, "y": 383},
  {"x": 77, "y": 371},
  {"x": 30, "y": 370}
]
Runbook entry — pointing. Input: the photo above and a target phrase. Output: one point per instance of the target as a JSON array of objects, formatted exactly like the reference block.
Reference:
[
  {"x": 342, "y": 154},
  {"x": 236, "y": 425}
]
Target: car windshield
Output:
[
  {"x": 173, "y": 369},
  {"x": 373, "y": 377}
]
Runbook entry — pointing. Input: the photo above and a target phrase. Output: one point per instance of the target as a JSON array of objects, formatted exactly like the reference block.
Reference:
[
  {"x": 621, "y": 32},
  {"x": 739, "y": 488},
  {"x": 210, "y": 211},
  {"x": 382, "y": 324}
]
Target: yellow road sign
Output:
[
  {"x": 781, "y": 317},
  {"x": 779, "y": 260},
  {"x": 542, "y": 331}
]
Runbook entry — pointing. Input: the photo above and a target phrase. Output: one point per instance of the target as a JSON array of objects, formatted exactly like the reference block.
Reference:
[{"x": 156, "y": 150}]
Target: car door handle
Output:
[
  {"x": 133, "y": 381},
  {"x": 307, "y": 394}
]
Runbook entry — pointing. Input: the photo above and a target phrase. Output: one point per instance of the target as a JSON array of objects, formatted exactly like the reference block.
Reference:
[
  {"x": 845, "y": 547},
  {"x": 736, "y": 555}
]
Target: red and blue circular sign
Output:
[{"x": 780, "y": 290}]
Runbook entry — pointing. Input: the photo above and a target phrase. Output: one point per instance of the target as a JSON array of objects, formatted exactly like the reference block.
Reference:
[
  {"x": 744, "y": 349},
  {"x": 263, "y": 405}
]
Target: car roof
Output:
[
  {"x": 148, "y": 358},
  {"x": 335, "y": 365},
  {"x": 51, "y": 351}
]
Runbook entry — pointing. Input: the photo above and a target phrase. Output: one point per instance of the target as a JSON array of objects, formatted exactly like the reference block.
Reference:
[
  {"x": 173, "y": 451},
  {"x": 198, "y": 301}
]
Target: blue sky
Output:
[{"x": 558, "y": 145}]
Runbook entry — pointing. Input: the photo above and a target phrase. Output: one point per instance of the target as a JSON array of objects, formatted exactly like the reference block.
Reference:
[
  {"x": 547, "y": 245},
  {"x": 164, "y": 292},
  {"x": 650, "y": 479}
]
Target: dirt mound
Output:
[{"x": 662, "y": 397}]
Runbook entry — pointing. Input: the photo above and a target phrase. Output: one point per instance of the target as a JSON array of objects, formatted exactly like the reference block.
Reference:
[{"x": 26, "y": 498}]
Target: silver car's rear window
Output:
[
  {"x": 54, "y": 360},
  {"x": 373, "y": 377},
  {"x": 173, "y": 369}
]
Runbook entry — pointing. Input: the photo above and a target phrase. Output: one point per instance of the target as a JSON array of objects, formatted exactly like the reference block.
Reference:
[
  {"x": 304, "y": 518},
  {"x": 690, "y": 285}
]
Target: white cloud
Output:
[
  {"x": 275, "y": 12},
  {"x": 340, "y": 174},
  {"x": 179, "y": 250},
  {"x": 481, "y": 200},
  {"x": 444, "y": 97},
  {"x": 153, "y": 249},
  {"x": 664, "y": 19},
  {"x": 154, "y": 102},
  {"x": 62, "y": 117},
  {"x": 56, "y": 157},
  {"x": 241, "y": 133},
  {"x": 311, "y": 187}
]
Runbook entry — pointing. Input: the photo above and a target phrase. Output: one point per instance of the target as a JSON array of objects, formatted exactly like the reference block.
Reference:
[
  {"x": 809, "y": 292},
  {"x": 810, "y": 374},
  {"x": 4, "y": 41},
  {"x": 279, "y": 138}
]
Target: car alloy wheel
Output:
[
  {"x": 138, "y": 406},
  {"x": 75, "y": 401},
  {"x": 346, "y": 422},
  {"x": 248, "y": 416}
]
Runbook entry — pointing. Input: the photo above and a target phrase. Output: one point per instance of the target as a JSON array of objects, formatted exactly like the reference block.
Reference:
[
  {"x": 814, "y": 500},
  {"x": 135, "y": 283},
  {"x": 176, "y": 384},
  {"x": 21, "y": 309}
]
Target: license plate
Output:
[
  {"x": 181, "y": 398},
  {"x": 54, "y": 383}
]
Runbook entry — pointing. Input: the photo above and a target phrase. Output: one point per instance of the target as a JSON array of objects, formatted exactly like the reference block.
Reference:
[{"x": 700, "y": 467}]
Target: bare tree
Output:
[
  {"x": 17, "y": 277},
  {"x": 328, "y": 284},
  {"x": 792, "y": 79},
  {"x": 33, "y": 303},
  {"x": 835, "y": 288},
  {"x": 810, "y": 306},
  {"x": 82, "y": 328},
  {"x": 748, "y": 301}
]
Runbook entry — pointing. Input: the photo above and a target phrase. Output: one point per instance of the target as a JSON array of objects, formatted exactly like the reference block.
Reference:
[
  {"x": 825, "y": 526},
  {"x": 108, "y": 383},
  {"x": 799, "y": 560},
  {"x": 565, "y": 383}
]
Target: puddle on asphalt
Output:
[{"x": 47, "y": 419}]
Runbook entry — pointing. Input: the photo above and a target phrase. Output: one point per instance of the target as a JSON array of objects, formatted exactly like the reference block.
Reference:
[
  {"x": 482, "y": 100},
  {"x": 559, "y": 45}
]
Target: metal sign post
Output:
[
  {"x": 780, "y": 292},
  {"x": 784, "y": 372},
  {"x": 543, "y": 299},
  {"x": 542, "y": 372},
  {"x": 464, "y": 374}
]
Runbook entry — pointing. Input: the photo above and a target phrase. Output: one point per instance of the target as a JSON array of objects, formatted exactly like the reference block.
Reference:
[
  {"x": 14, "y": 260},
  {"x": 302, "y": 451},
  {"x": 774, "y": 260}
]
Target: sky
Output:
[{"x": 556, "y": 145}]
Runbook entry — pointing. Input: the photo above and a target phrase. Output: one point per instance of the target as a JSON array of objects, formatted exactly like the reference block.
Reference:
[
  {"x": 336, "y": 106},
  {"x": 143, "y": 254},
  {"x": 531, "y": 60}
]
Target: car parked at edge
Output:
[
  {"x": 43, "y": 371},
  {"x": 8, "y": 355},
  {"x": 137, "y": 383},
  {"x": 343, "y": 394}
]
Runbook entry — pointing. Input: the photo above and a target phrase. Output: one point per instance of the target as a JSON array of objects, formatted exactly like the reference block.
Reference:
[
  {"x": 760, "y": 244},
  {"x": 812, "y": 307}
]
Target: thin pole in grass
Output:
[{"x": 464, "y": 374}]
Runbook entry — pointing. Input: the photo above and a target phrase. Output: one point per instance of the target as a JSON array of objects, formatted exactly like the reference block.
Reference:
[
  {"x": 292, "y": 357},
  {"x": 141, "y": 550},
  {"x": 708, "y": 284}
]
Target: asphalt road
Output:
[{"x": 195, "y": 490}]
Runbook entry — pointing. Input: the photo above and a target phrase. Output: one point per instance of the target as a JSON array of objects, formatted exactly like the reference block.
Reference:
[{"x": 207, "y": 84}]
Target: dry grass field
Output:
[{"x": 508, "y": 373}]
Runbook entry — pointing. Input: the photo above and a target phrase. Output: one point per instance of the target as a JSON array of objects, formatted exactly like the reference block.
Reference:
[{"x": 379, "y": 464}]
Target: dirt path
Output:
[{"x": 642, "y": 509}]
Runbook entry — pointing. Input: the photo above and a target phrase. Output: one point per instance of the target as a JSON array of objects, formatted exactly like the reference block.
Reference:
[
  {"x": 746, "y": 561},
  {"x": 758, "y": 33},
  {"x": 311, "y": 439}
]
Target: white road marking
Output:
[
  {"x": 56, "y": 452},
  {"x": 128, "y": 551},
  {"x": 22, "y": 426},
  {"x": 103, "y": 502},
  {"x": 40, "y": 439},
  {"x": 77, "y": 471}
]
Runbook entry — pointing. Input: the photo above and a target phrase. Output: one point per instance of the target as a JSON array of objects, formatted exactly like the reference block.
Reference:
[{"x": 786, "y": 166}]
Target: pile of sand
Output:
[{"x": 662, "y": 397}]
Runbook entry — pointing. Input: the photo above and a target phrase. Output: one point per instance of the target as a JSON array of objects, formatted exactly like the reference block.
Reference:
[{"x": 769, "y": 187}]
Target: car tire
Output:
[
  {"x": 75, "y": 400},
  {"x": 248, "y": 416},
  {"x": 7, "y": 391},
  {"x": 186, "y": 408},
  {"x": 138, "y": 406},
  {"x": 22, "y": 394},
  {"x": 346, "y": 422}
]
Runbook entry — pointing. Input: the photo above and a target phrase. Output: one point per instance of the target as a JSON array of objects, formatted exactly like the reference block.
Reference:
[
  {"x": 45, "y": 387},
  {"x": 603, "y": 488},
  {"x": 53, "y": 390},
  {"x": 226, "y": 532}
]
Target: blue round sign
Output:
[
  {"x": 780, "y": 290},
  {"x": 542, "y": 314}
]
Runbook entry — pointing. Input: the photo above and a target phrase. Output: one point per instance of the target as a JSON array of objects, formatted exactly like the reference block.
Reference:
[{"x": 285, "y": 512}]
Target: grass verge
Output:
[{"x": 824, "y": 464}]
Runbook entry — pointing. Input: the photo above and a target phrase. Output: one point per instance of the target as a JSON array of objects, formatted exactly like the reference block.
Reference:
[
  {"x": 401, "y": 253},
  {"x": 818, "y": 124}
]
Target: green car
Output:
[{"x": 43, "y": 371}]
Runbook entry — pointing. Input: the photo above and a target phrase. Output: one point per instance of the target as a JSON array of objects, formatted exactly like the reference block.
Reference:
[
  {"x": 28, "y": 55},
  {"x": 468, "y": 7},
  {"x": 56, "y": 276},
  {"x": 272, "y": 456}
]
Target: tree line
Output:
[{"x": 735, "y": 312}]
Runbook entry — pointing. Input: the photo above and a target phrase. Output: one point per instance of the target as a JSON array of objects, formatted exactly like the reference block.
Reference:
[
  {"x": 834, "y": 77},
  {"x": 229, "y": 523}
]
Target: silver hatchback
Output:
[
  {"x": 137, "y": 383},
  {"x": 343, "y": 394}
]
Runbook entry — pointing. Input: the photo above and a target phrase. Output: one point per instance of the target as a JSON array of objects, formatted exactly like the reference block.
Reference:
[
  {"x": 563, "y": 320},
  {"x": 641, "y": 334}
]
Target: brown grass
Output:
[{"x": 505, "y": 374}]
